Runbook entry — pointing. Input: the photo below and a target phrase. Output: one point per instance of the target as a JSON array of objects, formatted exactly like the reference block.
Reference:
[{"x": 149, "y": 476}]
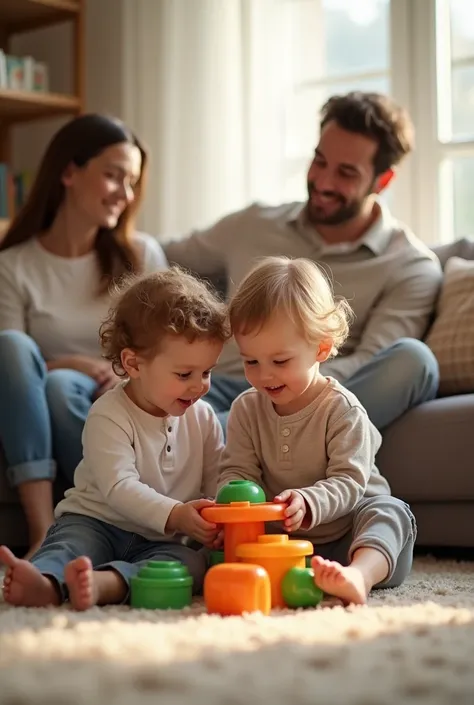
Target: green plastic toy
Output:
[
  {"x": 216, "y": 557},
  {"x": 162, "y": 585},
  {"x": 240, "y": 491},
  {"x": 299, "y": 590}
]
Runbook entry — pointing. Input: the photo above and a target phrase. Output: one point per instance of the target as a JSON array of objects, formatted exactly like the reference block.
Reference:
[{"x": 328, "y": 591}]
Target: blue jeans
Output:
[
  {"x": 396, "y": 379},
  {"x": 42, "y": 413},
  {"x": 109, "y": 548}
]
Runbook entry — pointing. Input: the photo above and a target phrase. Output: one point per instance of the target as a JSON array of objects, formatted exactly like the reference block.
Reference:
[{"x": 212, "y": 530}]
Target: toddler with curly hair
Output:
[{"x": 151, "y": 453}]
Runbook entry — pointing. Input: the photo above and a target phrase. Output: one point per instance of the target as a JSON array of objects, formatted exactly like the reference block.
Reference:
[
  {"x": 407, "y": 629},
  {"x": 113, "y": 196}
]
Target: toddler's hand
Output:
[
  {"x": 295, "y": 511},
  {"x": 186, "y": 519},
  {"x": 218, "y": 541}
]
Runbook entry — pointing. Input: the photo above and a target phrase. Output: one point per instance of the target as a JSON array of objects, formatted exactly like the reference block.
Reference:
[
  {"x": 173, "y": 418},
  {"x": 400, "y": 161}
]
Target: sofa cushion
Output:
[
  {"x": 427, "y": 454},
  {"x": 451, "y": 337}
]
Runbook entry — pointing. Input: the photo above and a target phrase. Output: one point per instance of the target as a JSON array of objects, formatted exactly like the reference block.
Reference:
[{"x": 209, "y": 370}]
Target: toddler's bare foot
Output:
[
  {"x": 79, "y": 577},
  {"x": 24, "y": 585},
  {"x": 346, "y": 582},
  {"x": 7, "y": 581}
]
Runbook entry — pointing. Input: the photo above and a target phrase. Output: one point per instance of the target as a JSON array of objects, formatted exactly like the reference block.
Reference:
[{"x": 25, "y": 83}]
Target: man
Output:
[{"x": 389, "y": 277}]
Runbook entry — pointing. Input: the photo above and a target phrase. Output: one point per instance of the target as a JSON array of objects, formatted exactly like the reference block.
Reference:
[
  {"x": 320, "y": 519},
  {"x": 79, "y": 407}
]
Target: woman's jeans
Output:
[{"x": 42, "y": 413}]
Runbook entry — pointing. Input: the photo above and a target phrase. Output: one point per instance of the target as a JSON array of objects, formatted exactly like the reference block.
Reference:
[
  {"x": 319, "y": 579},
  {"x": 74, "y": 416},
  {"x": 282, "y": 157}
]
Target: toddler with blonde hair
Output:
[
  {"x": 306, "y": 439},
  {"x": 151, "y": 453}
]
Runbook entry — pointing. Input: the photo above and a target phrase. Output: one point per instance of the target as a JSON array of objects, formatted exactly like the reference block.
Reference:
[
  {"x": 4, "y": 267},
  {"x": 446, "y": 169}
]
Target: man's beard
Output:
[{"x": 346, "y": 211}]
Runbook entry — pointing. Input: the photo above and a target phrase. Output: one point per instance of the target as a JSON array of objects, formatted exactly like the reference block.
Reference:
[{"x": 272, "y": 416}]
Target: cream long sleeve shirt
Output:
[{"x": 137, "y": 467}]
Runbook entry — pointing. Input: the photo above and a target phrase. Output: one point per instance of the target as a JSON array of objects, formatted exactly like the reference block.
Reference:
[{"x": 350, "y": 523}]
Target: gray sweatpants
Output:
[{"x": 385, "y": 523}]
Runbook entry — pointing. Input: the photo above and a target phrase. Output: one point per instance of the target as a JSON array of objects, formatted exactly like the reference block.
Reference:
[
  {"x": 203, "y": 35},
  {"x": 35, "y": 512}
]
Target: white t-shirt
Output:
[
  {"x": 137, "y": 467},
  {"x": 54, "y": 299}
]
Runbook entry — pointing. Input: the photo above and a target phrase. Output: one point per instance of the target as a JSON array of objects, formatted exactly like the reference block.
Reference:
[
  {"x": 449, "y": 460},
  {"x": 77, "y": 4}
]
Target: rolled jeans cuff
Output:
[{"x": 31, "y": 471}]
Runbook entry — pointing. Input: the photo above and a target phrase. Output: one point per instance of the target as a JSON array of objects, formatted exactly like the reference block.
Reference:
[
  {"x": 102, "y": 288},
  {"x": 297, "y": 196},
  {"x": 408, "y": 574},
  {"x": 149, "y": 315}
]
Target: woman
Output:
[{"x": 61, "y": 254}]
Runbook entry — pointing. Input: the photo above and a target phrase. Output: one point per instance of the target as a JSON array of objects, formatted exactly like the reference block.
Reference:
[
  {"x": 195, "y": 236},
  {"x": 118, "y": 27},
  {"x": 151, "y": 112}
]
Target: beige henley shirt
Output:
[{"x": 327, "y": 451}]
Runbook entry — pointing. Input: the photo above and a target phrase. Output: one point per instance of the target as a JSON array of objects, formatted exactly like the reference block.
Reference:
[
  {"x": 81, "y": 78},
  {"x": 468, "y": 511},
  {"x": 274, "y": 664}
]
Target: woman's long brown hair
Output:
[{"x": 80, "y": 140}]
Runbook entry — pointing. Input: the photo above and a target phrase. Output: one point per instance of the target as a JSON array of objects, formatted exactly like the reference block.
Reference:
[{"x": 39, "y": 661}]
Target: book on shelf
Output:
[
  {"x": 14, "y": 188},
  {"x": 23, "y": 73}
]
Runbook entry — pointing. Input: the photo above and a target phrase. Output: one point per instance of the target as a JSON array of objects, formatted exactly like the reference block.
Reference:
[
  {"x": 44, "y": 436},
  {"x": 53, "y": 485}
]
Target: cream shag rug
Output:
[{"x": 412, "y": 645}]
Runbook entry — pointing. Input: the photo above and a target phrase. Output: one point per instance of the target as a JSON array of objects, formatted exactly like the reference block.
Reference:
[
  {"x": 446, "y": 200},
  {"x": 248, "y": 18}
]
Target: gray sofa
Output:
[{"x": 426, "y": 456}]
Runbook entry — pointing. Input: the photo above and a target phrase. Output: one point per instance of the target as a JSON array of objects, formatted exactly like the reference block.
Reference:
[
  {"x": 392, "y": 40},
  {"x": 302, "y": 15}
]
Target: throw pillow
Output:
[{"x": 451, "y": 337}]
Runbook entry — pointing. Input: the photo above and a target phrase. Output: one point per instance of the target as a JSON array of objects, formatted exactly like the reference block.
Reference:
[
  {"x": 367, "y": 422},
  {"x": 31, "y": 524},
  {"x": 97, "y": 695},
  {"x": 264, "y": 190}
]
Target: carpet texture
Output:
[{"x": 410, "y": 646}]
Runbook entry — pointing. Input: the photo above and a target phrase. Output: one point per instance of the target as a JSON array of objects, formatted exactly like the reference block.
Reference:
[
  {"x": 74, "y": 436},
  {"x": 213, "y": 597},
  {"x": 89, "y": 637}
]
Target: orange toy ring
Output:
[{"x": 240, "y": 512}]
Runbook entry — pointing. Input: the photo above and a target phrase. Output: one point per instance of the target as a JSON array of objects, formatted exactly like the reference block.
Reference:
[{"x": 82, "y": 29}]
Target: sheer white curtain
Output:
[{"x": 203, "y": 89}]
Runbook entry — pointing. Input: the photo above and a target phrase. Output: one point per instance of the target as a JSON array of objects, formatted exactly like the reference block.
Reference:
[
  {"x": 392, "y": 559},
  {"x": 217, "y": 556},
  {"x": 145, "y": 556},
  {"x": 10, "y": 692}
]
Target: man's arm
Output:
[
  {"x": 206, "y": 252},
  {"x": 153, "y": 257},
  {"x": 403, "y": 312}
]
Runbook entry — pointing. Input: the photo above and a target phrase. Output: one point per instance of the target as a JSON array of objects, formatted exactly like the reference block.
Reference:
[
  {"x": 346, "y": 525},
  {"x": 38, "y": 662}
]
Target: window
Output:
[
  {"x": 419, "y": 51},
  {"x": 334, "y": 46},
  {"x": 455, "y": 118}
]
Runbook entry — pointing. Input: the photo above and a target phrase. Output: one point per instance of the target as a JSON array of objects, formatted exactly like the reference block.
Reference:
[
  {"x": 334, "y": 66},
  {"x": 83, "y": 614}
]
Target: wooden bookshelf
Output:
[
  {"x": 25, "y": 15},
  {"x": 18, "y": 106},
  {"x": 22, "y": 106}
]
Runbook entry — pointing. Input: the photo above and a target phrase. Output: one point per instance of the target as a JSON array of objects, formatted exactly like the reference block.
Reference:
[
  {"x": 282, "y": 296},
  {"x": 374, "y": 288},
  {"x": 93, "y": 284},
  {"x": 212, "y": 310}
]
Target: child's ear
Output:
[
  {"x": 129, "y": 361},
  {"x": 324, "y": 350}
]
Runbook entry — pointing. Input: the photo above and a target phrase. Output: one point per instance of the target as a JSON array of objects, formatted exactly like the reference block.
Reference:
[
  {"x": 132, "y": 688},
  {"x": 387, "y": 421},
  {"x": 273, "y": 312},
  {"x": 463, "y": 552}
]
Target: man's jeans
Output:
[{"x": 395, "y": 380}]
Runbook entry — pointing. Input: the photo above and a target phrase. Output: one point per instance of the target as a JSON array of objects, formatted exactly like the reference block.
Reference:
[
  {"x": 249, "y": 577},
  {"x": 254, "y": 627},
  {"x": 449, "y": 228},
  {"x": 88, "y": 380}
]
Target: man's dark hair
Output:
[{"x": 377, "y": 117}]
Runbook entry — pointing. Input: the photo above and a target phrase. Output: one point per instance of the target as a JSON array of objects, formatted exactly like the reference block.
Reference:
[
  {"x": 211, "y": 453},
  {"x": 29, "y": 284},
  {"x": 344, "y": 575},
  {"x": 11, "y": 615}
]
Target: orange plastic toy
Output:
[
  {"x": 243, "y": 522},
  {"x": 235, "y": 588},
  {"x": 277, "y": 554}
]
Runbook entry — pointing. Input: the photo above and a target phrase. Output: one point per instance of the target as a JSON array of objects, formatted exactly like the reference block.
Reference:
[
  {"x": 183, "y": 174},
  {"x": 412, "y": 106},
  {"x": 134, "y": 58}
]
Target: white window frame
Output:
[
  {"x": 420, "y": 78},
  {"x": 421, "y": 81},
  {"x": 401, "y": 62},
  {"x": 300, "y": 163},
  {"x": 417, "y": 90}
]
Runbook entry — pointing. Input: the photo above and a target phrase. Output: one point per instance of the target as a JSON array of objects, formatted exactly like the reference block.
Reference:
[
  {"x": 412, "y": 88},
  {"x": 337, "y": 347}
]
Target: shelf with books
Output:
[
  {"x": 24, "y": 15},
  {"x": 25, "y": 93},
  {"x": 25, "y": 105},
  {"x": 23, "y": 73}
]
